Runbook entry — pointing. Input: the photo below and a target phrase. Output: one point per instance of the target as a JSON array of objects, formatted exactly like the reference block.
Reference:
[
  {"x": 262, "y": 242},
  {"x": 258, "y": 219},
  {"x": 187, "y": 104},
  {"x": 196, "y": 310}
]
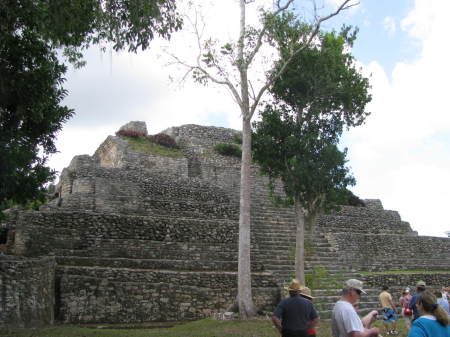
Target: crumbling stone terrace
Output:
[{"x": 133, "y": 237}]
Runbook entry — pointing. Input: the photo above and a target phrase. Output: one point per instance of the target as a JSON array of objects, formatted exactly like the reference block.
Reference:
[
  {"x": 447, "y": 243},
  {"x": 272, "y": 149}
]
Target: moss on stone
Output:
[{"x": 144, "y": 145}]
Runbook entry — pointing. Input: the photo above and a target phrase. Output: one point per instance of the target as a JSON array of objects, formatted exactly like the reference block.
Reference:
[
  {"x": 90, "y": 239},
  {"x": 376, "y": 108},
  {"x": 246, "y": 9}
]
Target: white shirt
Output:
[{"x": 345, "y": 319}]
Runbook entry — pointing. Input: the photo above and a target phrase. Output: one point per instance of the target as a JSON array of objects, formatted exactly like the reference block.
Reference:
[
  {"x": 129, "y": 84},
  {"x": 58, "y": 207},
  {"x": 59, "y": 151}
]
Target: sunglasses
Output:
[{"x": 359, "y": 292}]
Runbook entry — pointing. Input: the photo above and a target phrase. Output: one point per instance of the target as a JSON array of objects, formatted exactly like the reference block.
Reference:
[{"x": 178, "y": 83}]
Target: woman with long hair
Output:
[{"x": 433, "y": 320}]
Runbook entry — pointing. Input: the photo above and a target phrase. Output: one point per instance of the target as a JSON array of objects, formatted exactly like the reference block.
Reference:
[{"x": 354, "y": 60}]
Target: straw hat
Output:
[
  {"x": 306, "y": 292},
  {"x": 294, "y": 286}
]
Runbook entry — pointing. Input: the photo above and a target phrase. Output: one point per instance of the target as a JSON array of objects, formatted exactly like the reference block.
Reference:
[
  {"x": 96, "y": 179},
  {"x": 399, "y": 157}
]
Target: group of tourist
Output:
[{"x": 426, "y": 314}]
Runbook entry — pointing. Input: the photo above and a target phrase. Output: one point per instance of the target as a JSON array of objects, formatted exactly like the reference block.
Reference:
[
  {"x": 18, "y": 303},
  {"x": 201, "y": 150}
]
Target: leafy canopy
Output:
[
  {"x": 309, "y": 164},
  {"x": 32, "y": 32},
  {"x": 319, "y": 93}
]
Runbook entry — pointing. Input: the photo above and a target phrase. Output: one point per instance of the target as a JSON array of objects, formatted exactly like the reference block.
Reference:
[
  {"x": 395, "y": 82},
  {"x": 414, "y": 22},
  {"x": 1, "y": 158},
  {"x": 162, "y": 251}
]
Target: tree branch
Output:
[
  {"x": 263, "y": 30},
  {"x": 345, "y": 5}
]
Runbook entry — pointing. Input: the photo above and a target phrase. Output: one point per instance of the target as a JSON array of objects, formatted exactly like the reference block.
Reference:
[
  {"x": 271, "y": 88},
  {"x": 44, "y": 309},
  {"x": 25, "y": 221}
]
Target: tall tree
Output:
[
  {"x": 31, "y": 76},
  {"x": 229, "y": 64},
  {"x": 307, "y": 161},
  {"x": 320, "y": 93}
]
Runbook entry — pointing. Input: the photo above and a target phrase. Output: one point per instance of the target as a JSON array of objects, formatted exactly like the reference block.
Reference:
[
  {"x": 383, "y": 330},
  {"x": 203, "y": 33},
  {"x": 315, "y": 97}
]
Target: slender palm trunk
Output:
[
  {"x": 300, "y": 243},
  {"x": 245, "y": 301},
  {"x": 244, "y": 296}
]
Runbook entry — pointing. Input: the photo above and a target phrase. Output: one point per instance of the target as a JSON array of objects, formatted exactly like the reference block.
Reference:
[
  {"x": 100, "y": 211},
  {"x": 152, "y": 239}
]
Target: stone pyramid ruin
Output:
[{"x": 136, "y": 235}]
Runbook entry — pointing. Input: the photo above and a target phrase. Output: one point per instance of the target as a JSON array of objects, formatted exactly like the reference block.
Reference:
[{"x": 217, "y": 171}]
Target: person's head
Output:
[
  {"x": 405, "y": 292},
  {"x": 352, "y": 290},
  {"x": 385, "y": 288},
  {"x": 426, "y": 304},
  {"x": 294, "y": 287},
  {"x": 420, "y": 286}
]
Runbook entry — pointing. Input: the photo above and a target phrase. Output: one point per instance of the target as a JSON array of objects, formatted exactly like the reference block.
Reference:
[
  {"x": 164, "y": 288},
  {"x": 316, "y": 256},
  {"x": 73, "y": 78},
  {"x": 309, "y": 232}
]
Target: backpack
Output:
[{"x": 407, "y": 311}]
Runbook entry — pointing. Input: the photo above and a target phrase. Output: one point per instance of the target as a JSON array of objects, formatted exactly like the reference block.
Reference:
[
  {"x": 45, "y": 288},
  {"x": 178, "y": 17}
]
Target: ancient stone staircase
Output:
[{"x": 273, "y": 243}]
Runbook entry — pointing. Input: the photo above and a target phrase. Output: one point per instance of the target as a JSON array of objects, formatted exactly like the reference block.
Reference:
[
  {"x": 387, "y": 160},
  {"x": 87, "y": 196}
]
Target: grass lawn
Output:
[{"x": 201, "y": 328}]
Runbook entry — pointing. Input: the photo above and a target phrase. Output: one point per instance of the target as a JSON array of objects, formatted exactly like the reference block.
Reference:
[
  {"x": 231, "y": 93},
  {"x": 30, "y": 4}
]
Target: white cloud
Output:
[
  {"x": 402, "y": 154},
  {"x": 115, "y": 88},
  {"x": 389, "y": 25}
]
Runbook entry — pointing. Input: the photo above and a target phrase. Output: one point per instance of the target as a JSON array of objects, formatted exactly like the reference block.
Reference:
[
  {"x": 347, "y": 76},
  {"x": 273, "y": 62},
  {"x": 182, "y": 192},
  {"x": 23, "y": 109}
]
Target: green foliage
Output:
[
  {"x": 31, "y": 76},
  {"x": 348, "y": 198},
  {"x": 307, "y": 161},
  {"x": 228, "y": 150},
  {"x": 30, "y": 114},
  {"x": 323, "y": 79},
  {"x": 145, "y": 145},
  {"x": 262, "y": 327},
  {"x": 237, "y": 139},
  {"x": 405, "y": 272},
  {"x": 320, "y": 278},
  {"x": 318, "y": 94}
]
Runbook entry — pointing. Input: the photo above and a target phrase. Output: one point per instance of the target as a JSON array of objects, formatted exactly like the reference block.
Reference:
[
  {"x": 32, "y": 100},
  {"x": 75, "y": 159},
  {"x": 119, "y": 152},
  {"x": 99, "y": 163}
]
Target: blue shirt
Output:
[
  {"x": 425, "y": 327},
  {"x": 413, "y": 306},
  {"x": 295, "y": 313}
]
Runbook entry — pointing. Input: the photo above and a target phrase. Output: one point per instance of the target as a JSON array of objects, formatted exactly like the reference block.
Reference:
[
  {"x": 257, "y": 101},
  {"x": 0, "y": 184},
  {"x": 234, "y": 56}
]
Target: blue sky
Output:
[
  {"x": 375, "y": 40},
  {"x": 401, "y": 155}
]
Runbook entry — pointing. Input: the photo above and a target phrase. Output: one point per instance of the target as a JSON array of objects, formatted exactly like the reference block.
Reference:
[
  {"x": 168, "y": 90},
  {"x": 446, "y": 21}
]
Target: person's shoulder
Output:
[
  {"x": 283, "y": 301},
  {"x": 343, "y": 305}
]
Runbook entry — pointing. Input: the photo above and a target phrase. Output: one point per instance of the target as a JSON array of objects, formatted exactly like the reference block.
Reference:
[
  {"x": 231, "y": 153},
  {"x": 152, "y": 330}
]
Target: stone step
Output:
[
  {"x": 213, "y": 265},
  {"x": 280, "y": 244},
  {"x": 290, "y": 251},
  {"x": 326, "y": 314},
  {"x": 321, "y": 306}
]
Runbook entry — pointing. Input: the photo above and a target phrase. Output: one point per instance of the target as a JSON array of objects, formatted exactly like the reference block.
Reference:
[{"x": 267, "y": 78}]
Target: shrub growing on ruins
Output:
[
  {"x": 228, "y": 150},
  {"x": 352, "y": 200},
  {"x": 163, "y": 140},
  {"x": 143, "y": 144},
  {"x": 130, "y": 133},
  {"x": 237, "y": 139}
]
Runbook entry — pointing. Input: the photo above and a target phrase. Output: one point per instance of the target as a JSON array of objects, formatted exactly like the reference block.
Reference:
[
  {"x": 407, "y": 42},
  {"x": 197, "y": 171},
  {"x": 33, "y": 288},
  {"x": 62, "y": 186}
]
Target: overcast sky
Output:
[{"x": 401, "y": 155}]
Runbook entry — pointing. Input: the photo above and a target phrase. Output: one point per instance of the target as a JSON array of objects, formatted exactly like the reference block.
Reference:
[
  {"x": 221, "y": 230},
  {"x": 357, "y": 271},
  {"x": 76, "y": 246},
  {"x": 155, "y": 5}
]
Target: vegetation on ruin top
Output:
[{"x": 145, "y": 145}]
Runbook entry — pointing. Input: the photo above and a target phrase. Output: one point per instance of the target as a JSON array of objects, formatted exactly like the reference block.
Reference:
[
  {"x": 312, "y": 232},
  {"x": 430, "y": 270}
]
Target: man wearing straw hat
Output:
[
  {"x": 305, "y": 292},
  {"x": 295, "y": 315}
]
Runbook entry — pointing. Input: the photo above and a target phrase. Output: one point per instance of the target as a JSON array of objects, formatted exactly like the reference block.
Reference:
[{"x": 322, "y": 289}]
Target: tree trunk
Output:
[
  {"x": 310, "y": 221},
  {"x": 300, "y": 243},
  {"x": 245, "y": 301},
  {"x": 244, "y": 296}
]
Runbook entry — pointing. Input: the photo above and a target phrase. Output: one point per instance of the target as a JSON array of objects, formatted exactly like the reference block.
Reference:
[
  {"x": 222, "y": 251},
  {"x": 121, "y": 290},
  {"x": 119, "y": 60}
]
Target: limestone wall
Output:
[
  {"x": 122, "y": 191},
  {"x": 434, "y": 281},
  {"x": 139, "y": 237},
  {"x": 138, "y": 268},
  {"x": 127, "y": 295},
  {"x": 27, "y": 296},
  {"x": 41, "y": 233},
  {"x": 392, "y": 252},
  {"x": 116, "y": 152},
  {"x": 374, "y": 220}
]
